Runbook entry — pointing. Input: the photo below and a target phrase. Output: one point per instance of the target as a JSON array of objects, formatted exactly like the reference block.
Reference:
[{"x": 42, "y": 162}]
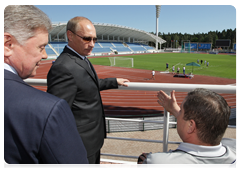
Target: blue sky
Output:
[{"x": 173, "y": 18}]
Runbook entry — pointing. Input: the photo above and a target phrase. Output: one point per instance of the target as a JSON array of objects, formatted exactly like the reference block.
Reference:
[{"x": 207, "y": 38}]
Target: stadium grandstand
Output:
[{"x": 112, "y": 39}]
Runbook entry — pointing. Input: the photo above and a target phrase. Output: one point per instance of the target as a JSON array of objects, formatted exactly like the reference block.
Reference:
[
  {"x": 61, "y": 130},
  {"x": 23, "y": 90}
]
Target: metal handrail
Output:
[
  {"x": 167, "y": 87},
  {"x": 140, "y": 121},
  {"x": 157, "y": 86}
]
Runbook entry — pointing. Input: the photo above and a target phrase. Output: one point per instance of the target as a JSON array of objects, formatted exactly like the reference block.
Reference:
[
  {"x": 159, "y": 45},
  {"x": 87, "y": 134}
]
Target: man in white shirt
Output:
[
  {"x": 184, "y": 70},
  {"x": 202, "y": 120},
  {"x": 173, "y": 69},
  {"x": 153, "y": 74}
]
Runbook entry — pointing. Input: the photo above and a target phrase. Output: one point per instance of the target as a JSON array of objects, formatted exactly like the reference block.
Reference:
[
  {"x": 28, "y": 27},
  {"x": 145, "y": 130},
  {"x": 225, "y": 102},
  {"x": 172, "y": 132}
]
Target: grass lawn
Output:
[{"x": 219, "y": 65}]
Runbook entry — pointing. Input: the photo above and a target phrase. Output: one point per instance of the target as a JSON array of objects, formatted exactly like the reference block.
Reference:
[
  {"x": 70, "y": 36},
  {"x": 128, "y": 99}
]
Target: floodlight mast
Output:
[{"x": 158, "y": 8}]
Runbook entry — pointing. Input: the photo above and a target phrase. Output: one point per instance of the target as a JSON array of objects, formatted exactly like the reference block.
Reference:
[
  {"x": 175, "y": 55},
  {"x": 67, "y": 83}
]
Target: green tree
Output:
[{"x": 209, "y": 37}]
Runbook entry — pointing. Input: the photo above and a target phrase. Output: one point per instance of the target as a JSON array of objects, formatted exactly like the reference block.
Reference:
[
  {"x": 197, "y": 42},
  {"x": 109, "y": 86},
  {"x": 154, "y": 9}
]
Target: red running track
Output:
[{"x": 133, "y": 102}]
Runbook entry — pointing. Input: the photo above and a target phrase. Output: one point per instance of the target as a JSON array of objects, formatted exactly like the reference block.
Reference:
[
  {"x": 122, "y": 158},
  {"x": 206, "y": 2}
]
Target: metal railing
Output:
[{"x": 167, "y": 87}]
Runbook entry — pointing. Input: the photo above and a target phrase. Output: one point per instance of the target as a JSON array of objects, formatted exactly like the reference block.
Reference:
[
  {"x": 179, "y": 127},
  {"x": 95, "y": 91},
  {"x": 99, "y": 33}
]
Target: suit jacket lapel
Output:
[{"x": 82, "y": 63}]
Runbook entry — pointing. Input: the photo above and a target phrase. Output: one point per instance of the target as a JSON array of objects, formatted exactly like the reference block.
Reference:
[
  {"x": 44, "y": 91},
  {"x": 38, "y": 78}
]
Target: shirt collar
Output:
[
  {"x": 10, "y": 68},
  {"x": 200, "y": 150},
  {"x": 82, "y": 57}
]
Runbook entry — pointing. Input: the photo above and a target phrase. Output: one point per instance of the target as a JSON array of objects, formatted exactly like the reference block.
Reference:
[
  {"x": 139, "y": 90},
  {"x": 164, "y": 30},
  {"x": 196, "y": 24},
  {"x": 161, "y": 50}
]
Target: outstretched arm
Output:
[{"x": 169, "y": 102}]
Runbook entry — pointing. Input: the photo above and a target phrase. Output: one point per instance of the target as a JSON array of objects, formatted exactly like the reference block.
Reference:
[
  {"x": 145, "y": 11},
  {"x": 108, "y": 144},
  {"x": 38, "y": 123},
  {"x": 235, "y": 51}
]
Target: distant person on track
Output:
[
  {"x": 153, "y": 74},
  {"x": 72, "y": 77},
  {"x": 201, "y": 61},
  {"x": 167, "y": 66},
  {"x": 184, "y": 70},
  {"x": 198, "y": 61},
  {"x": 39, "y": 128},
  {"x": 207, "y": 63},
  {"x": 173, "y": 69},
  {"x": 202, "y": 120},
  {"x": 178, "y": 69}
]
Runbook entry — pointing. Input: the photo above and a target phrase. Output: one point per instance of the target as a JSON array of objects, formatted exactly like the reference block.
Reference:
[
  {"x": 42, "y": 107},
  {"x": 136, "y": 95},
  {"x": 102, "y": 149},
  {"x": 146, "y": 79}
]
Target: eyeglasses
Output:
[{"x": 85, "y": 39}]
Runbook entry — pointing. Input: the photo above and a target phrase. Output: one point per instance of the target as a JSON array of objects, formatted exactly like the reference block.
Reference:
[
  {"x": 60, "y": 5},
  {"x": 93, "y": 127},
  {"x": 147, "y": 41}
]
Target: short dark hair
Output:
[
  {"x": 210, "y": 112},
  {"x": 72, "y": 24}
]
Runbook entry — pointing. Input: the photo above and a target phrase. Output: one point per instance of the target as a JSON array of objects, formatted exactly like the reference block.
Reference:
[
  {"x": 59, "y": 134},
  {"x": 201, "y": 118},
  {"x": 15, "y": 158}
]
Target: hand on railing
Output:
[{"x": 122, "y": 82}]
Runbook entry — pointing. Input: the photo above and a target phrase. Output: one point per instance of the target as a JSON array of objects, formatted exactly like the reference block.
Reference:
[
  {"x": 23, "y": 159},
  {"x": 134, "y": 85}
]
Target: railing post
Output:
[
  {"x": 108, "y": 126},
  {"x": 165, "y": 130},
  {"x": 143, "y": 123}
]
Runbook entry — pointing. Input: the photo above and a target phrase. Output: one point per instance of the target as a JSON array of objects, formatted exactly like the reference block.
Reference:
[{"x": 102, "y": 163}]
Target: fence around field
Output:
[{"x": 167, "y": 87}]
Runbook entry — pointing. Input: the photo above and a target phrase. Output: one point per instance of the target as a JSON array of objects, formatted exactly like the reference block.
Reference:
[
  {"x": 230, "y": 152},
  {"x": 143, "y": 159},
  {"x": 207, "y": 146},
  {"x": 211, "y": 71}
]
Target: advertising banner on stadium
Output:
[
  {"x": 234, "y": 47},
  {"x": 204, "y": 46},
  {"x": 193, "y": 45}
]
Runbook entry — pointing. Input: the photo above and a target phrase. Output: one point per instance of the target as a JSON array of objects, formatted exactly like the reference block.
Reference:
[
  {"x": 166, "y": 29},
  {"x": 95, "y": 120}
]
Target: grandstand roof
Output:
[{"x": 58, "y": 32}]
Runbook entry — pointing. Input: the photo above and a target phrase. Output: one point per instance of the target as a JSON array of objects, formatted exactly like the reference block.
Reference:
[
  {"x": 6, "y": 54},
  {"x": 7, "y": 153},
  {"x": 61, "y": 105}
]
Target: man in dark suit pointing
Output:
[
  {"x": 38, "y": 127},
  {"x": 73, "y": 78}
]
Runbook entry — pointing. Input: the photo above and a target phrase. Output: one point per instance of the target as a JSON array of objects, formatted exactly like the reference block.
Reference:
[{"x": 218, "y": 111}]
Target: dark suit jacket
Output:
[
  {"x": 38, "y": 127},
  {"x": 70, "y": 78}
]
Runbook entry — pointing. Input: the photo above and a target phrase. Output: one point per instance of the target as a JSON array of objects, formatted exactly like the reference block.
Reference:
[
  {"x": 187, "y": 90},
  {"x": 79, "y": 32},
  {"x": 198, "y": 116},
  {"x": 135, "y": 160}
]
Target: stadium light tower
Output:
[{"x": 158, "y": 7}]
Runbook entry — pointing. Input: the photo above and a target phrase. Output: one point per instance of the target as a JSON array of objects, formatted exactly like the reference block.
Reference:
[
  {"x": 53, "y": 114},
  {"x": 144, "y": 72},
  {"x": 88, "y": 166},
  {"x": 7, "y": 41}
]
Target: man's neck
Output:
[
  {"x": 195, "y": 140},
  {"x": 75, "y": 52}
]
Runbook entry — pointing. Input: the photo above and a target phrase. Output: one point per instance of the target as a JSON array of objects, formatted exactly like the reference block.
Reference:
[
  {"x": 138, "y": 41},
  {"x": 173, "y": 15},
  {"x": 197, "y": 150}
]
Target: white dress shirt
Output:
[{"x": 10, "y": 68}]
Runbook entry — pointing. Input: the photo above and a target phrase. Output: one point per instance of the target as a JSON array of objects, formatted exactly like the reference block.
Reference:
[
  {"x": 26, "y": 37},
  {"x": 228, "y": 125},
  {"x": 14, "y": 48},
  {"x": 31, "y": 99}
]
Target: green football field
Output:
[{"x": 219, "y": 65}]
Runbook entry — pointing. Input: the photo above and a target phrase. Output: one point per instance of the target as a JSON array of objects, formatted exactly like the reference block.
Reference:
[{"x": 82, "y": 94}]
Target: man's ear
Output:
[
  {"x": 191, "y": 126},
  {"x": 8, "y": 44},
  {"x": 69, "y": 35}
]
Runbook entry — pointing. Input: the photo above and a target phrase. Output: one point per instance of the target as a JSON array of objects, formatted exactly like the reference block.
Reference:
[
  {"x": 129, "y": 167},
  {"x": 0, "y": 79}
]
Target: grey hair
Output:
[{"x": 21, "y": 21}]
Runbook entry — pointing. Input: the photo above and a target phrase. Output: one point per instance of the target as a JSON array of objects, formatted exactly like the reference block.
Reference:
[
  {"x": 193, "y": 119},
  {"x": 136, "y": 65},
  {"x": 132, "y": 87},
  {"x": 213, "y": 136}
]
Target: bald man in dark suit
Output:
[{"x": 73, "y": 78}]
